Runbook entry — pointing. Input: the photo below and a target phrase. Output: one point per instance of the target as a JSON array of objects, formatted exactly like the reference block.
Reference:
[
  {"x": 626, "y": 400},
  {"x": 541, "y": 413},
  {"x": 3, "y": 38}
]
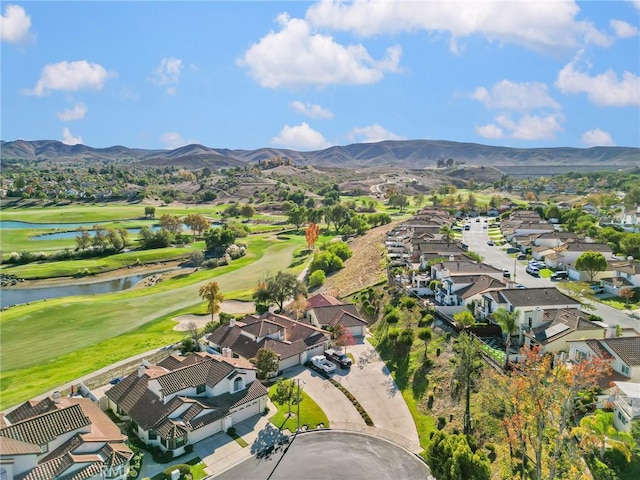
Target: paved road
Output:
[
  {"x": 327, "y": 455},
  {"x": 477, "y": 239}
]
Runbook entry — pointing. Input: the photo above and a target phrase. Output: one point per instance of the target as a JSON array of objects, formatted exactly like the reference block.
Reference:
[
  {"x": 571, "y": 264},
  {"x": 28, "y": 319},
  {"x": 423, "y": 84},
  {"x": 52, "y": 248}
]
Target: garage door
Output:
[{"x": 246, "y": 411}]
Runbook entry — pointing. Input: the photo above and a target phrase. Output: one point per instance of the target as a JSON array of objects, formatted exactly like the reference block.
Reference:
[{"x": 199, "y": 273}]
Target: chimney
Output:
[
  {"x": 452, "y": 257},
  {"x": 232, "y": 322},
  {"x": 226, "y": 352},
  {"x": 56, "y": 396},
  {"x": 141, "y": 371}
]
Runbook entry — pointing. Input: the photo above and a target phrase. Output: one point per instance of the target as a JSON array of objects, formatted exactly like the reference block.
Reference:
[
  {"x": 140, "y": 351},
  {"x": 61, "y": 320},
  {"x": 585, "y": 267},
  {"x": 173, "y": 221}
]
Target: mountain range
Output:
[{"x": 401, "y": 153}]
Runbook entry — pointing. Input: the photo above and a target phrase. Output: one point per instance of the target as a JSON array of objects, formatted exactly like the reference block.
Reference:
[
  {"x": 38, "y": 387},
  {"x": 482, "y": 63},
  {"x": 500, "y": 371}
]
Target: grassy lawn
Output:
[
  {"x": 545, "y": 273},
  {"x": 73, "y": 336},
  {"x": 310, "y": 414},
  {"x": 197, "y": 470}
]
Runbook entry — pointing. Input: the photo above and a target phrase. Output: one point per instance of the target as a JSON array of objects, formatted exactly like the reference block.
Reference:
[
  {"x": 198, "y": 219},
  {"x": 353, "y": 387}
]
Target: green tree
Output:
[
  {"x": 211, "y": 293},
  {"x": 218, "y": 239},
  {"x": 467, "y": 367},
  {"x": 591, "y": 262},
  {"x": 171, "y": 223},
  {"x": 425, "y": 335},
  {"x": 150, "y": 212},
  {"x": 508, "y": 321},
  {"x": 267, "y": 363},
  {"x": 247, "y": 211},
  {"x": 450, "y": 458},
  {"x": 83, "y": 239},
  {"x": 317, "y": 278},
  {"x": 197, "y": 223},
  {"x": 447, "y": 233},
  {"x": 338, "y": 215},
  {"x": 297, "y": 216},
  {"x": 279, "y": 289},
  {"x": 286, "y": 393},
  {"x": 597, "y": 433},
  {"x": 464, "y": 318}
]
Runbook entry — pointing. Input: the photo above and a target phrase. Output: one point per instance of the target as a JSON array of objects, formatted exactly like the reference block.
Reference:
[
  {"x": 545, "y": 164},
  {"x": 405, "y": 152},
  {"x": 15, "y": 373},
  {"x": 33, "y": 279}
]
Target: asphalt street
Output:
[
  {"x": 327, "y": 455},
  {"x": 477, "y": 238}
]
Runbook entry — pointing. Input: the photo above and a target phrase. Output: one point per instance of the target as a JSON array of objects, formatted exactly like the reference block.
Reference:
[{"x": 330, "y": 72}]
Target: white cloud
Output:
[
  {"x": 528, "y": 127},
  {"x": 295, "y": 56},
  {"x": 300, "y": 137},
  {"x": 70, "y": 76},
  {"x": 68, "y": 138},
  {"x": 311, "y": 111},
  {"x": 623, "y": 29},
  {"x": 78, "y": 112},
  {"x": 604, "y": 89},
  {"x": 597, "y": 138},
  {"x": 172, "y": 140},
  {"x": 371, "y": 134},
  {"x": 509, "y": 95},
  {"x": 490, "y": 131},
  {"x": 536, "y": 25},
  {"x": 15, "y": 25},
  {"x": 168, "y": 73}
]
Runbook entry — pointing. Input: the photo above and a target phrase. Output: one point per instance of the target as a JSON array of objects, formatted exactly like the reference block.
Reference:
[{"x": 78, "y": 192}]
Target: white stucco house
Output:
[{"x": 183, "y": 400}]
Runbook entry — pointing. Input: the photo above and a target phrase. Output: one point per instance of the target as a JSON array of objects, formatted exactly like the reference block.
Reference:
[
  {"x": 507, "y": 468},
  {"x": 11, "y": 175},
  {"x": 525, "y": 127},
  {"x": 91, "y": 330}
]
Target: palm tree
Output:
[
  {"x": 211, "y": 293},
  {"x": 508, "y": 321},
  {"x": 596, "y": 432},
  {"x": 447, "y": 233}
]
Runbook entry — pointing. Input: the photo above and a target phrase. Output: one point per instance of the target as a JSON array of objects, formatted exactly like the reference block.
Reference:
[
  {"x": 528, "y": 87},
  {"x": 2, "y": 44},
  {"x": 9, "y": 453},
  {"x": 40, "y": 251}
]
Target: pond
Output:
[
  {"x": 15, "y": 225},
  {"x": 74, "y": 233},
  {"x": 13, "y": 296}
]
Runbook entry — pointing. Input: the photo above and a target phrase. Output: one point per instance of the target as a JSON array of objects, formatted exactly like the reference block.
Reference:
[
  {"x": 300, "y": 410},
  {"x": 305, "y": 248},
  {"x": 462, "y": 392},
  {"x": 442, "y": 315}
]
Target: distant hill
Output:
[{"x": 404, "y": 153}]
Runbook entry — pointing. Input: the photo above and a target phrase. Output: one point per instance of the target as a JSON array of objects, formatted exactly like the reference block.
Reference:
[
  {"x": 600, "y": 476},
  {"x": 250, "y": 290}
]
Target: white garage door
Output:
[{"x": 246, "y": 411}]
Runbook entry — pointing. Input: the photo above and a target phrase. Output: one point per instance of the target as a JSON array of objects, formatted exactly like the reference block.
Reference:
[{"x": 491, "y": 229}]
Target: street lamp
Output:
[{"x": 299, "y": 403}]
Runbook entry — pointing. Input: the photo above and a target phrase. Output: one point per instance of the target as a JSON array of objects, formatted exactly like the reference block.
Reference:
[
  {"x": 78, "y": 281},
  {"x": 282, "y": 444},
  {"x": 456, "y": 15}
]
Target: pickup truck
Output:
[
  {"x": 323, "y": 364},
  {"x": 338, "y": 357}
]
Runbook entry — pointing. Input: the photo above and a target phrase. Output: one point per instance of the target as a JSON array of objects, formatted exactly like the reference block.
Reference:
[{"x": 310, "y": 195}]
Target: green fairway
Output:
[{"x": 58, "y": 330}]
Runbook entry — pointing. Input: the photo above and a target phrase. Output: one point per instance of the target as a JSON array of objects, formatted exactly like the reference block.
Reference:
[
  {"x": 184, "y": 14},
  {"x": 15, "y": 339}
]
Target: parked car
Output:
[
  {"x": 537, "y": 264},
  {"x": 338, "y": 357},
  {"x": 512, "y": 250},
  {"x": 491, "y": 243},
  {"x": 596, "y": 288},
  {"x": 533, "y": 271},
  {"x": 559, "y": 275},
  {"x": 467, "y": 227},
  {"x": 520, "y": 286},
  {"x": 506, "y": 273},
  {"x": 323, "y": 364},
  {"x": 522, "y": 256}
]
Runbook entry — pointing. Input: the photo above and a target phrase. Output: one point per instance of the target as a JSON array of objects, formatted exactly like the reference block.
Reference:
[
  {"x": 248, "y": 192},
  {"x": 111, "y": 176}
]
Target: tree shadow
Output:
[{"x": 269, "y": 440}]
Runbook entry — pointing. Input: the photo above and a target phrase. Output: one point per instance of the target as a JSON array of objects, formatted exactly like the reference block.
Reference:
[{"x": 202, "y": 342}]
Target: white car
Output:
[{"x": 322, "y": 363}]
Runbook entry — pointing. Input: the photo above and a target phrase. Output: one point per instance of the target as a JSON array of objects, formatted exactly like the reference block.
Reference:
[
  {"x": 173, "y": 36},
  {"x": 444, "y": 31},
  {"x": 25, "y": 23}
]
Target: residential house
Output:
[
  {"x": 559, "y": 326},
  {"x": 63, "y": 438},
  {"x": 183, "y": 400},
  {"x": 630, "y": 220},
  {"x": 517, "y": 229},
  {"x": 452, "y": 268},
  {"x": 530, "y": 302},
  {"x": 626, "y": 404},
  {"x": 624, "y": 353},
  {"x": 461, "y": 290},
  {"x": 345, "y": 314},
  {"x": 294, "y": 342},
  {"x": 565, "y": 257},
  {"x": 625, "y": 274}
]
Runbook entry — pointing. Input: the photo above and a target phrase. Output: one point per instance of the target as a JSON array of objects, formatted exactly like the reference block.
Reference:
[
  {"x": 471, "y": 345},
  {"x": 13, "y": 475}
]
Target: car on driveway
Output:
[
  {"x": 559, "y": 275},
  {"x": 491, "y": 243},
  {"x": 520, "y": 286},
  {"x": 596, "y": 288},
  {"x": 338, "y": 357},
  {"x": 323, "y": 364}
]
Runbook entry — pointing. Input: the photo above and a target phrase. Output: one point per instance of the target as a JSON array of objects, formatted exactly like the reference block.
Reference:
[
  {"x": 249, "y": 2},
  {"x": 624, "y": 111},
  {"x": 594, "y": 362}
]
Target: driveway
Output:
[
  {"x": 337, "y": 407},
  {"x": 371, "y": 383}
]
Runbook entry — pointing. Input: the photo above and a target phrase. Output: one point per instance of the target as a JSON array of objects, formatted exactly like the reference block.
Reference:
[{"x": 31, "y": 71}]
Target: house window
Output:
[
  {"x": 622, "y": 418},
  {"x": 152, "y": 435},
  {"x": 200, "y": 388},
  {"x": 580, "y": 355},
  {"x": 625, "y": 369},
  {"x": 44, "y": 448},
  {"x": 237, "y": 384}
]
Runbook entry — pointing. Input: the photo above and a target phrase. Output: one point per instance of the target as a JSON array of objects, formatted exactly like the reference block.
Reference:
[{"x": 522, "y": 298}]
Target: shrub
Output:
[
  {"x": 317, "y": 278},
  {"x": 340, "y": 249}
]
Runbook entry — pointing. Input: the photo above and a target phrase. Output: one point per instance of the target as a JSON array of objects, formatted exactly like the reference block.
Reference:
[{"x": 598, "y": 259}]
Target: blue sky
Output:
[{"x": 308, "y": 75}]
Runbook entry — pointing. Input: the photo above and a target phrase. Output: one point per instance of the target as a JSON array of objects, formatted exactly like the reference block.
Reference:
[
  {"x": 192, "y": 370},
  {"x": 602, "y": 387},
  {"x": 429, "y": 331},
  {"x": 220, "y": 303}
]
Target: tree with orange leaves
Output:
[
  {"x": 311, "y": 233},
  {"x": 539, "y": 400}
]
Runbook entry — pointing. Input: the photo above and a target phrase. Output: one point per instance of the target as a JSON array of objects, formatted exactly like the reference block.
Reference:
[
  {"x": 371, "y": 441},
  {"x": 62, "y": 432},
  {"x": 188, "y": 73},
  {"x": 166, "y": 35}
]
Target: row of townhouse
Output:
[{"x": 548, "y": 319}]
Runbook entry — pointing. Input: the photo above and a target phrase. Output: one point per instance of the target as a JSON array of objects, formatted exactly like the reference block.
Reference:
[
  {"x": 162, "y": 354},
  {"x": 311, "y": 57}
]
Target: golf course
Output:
[{"x": 49, "y": 342}]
